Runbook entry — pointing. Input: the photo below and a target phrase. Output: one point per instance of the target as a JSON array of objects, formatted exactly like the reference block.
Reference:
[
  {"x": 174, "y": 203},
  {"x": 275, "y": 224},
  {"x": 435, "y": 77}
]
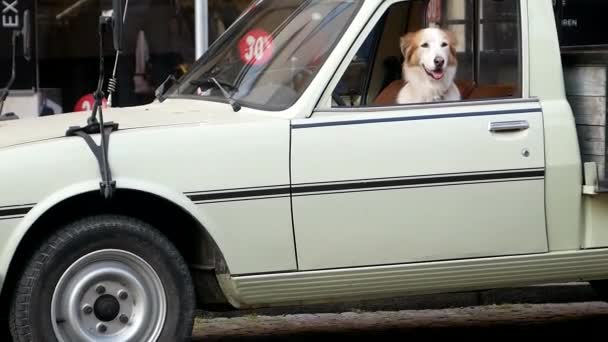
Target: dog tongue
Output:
[{"x": 437, "y": 74}]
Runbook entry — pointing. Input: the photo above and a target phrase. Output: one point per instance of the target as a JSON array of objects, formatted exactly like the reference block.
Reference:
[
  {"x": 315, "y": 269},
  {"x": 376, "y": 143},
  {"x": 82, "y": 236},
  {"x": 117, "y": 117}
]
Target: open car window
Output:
[{"x": 487, "y": 52}]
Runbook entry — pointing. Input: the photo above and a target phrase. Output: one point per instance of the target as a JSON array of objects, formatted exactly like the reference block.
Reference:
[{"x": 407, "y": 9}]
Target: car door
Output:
[
  {"x": 392, "y": 184},
  {"x": 411, "y": 185}
]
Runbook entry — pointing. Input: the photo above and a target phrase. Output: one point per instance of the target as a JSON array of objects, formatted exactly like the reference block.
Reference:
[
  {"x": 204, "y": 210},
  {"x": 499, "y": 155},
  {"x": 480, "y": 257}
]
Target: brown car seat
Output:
[
  {"x": 388, "y": 95},
  {"x": 492, "y": 91}
]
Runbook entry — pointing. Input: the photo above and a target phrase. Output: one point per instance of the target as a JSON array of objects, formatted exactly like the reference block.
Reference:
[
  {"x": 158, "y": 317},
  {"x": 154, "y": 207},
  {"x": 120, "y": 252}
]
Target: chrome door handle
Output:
[{"x": 506, "y": 126}]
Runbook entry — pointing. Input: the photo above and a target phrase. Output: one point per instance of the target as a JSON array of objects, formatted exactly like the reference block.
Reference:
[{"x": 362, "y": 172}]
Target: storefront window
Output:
[
  {"x": 68, "y": 51},
  {"x": 159, "y": 40},
  {"x": 222, "y": 14},
  {"x": 12, "y": 19}
]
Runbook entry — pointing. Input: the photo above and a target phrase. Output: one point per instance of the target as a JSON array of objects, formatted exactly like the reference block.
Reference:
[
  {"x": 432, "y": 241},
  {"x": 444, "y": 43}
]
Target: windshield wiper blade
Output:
[
  {"x": 221, "y": 86},
  {"x": 162, "y": 88},
  {"x": 212, "y": 81}
]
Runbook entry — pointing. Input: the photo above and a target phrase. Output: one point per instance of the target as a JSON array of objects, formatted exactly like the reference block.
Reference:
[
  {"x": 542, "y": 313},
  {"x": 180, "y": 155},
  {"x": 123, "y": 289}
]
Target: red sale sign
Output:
[
  {"x": 256, "y": 47},
  {"x": 87, "y": 102}
]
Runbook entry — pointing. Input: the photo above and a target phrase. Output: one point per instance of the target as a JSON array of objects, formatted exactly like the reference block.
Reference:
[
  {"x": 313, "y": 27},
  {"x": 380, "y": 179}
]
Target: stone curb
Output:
[{"x": 538, "y": 294}]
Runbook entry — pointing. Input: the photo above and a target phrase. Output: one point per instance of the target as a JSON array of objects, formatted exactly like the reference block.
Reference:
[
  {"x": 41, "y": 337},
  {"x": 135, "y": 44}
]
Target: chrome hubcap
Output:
[{"x": 109, "y": 295}]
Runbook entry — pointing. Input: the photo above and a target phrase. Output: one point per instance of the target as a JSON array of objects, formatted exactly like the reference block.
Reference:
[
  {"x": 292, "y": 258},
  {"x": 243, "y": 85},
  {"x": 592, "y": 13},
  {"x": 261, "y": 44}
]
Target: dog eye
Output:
[
  {"x": 444, "y": 44},
  {"x": 425, "y": 45}
]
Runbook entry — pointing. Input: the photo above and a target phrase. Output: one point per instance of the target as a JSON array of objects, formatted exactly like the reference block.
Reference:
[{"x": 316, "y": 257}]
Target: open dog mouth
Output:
[{"x": 436, "y": 74}]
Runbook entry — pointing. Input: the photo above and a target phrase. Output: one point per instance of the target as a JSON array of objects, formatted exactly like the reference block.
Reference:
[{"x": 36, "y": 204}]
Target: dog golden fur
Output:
[{"x": 429, "y": 67}]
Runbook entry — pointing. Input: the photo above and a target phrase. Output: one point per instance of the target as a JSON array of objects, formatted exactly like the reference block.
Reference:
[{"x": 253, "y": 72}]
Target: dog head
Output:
[{"x": 432, "y": 49}]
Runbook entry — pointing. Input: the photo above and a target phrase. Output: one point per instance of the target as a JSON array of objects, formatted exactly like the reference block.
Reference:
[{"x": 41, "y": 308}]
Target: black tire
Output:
[{"x": 30, "y": 313}]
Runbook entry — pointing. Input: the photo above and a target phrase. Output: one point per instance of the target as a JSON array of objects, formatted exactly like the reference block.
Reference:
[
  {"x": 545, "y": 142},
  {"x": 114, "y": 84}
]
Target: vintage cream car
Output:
[{"x": 280, "y": 171}]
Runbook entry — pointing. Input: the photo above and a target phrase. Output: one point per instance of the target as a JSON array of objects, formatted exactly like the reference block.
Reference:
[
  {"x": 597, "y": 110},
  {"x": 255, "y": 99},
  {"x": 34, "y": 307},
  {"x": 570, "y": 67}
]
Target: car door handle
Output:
[{"x": 507, "y": 126}]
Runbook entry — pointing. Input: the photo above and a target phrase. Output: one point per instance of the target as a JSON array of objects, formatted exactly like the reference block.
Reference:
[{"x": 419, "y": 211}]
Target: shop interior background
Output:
[{"x": 159, "y": 39}]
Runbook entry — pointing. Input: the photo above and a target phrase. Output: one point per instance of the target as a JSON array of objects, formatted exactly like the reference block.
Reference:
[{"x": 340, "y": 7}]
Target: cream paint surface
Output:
[
  {"x": 255, "y": 235},
  {"x": 564, "y": 169},
  {"x": 175, "y": 160},
  {"x": 420, "y": 224},
  {"x": 6, "y": 248},
  {"x": 410, "y": 148},
  {"x": 178, "y": 112},
  {"x": 432, "y": 223},
  {"x": 421, "y": 278},
  {"x": 6, "y": 228}
]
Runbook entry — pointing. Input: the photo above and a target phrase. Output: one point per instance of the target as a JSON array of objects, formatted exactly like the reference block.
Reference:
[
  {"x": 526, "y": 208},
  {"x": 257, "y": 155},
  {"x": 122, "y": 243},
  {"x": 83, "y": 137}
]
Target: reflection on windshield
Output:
[{"x": 272, "y": 53}]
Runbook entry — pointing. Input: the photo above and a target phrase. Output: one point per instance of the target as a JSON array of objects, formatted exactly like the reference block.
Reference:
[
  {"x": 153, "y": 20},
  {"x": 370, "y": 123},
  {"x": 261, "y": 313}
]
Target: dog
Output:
[{"x": 429, "y": 66}]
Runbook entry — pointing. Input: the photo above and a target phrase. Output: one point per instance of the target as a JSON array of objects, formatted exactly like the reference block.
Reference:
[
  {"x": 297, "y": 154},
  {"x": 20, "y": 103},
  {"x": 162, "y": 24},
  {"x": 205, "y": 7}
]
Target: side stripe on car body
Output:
[
  {"x": 15, "y": 211},
  {"x": 239, "y": 194},
  {"x": 361, "y": 185},
  {"x": 318, "y": 124},
  {"x": 416, "y": 182}
]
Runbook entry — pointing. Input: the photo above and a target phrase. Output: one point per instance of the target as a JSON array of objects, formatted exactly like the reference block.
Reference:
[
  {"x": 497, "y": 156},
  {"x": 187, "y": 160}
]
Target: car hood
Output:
[{"x": 170, "y": 112}]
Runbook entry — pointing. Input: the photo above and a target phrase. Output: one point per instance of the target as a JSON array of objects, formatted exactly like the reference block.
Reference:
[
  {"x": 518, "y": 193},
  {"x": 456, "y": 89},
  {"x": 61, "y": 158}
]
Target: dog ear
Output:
[
  {"x": 405, "y": 42},
  {"x": 452, "y": 37},
  {"x": 453, "y": 41}
]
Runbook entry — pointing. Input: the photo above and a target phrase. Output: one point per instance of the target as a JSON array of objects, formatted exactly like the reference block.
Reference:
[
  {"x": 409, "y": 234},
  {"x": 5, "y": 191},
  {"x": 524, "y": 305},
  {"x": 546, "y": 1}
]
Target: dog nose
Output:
[{"x": 439, "y": 61}]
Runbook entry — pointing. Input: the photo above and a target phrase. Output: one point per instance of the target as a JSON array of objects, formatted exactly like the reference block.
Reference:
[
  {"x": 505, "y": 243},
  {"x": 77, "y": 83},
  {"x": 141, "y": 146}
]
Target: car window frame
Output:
[
  {"x": 372, "y": 57},
  {"x": 324, "y": 105}
]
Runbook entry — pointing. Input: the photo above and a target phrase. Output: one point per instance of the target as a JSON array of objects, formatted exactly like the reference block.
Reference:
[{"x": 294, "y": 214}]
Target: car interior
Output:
[{"x": 488, "y": 52}]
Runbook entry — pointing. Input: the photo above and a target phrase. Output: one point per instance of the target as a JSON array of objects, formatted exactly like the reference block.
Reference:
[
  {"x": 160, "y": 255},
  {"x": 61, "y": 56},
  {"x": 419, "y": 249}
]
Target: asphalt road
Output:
[
  {"x": 508, "y": 321},
  {"x": 572, "y": 311}
]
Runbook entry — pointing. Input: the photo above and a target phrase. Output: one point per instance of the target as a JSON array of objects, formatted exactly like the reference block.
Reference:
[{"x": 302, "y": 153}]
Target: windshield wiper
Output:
[
  {"x": 221, "y": 86},
  {"x": 162, "y": 88}
]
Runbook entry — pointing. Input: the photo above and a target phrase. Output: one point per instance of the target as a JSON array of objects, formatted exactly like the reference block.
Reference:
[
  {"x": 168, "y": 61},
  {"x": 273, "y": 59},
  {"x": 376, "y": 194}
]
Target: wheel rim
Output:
[{"x": 108, "y": 295}]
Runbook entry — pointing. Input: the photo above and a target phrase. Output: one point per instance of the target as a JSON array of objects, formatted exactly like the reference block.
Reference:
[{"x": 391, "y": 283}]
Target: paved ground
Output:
[
  {"x": 566, "y": 320},
  {"x": 570, "y": 311}
]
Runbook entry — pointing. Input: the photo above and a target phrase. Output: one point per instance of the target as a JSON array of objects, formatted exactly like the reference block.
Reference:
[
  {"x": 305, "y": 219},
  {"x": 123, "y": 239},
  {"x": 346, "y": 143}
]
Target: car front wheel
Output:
[{"x": 109, "y": 278}]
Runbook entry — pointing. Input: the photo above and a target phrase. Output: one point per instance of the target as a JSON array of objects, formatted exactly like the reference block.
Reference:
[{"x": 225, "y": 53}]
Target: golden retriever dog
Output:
[{"x": 429, "y": 67}]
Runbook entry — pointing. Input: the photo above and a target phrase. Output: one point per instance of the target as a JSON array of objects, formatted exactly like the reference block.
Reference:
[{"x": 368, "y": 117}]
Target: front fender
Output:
[{"x": 17, "y": 234}]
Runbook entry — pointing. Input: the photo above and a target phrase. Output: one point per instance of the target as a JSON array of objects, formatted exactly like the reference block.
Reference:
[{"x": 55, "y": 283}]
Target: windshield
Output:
[{"x": 270, "y": 55}]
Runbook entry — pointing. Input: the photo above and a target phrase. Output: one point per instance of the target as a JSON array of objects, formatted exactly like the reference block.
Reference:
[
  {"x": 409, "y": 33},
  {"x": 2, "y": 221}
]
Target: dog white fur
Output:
[{"x": 430, "y": 66}]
